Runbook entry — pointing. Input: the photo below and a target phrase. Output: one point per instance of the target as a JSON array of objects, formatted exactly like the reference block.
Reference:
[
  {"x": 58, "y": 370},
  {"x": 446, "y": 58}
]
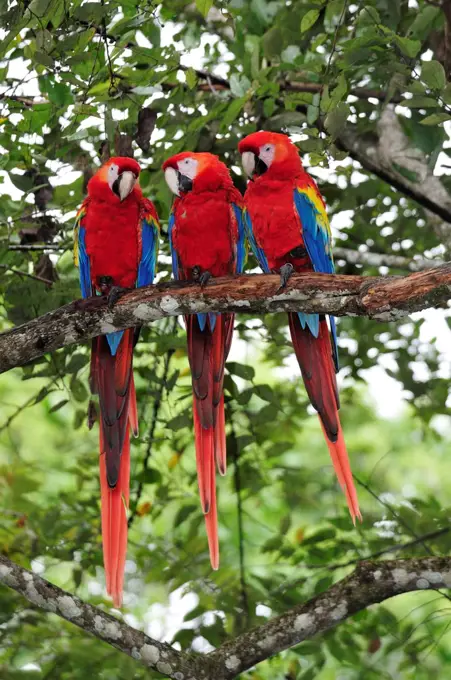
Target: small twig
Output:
[
  {"x": 395, "y": 514},
  {"x": 34, "y": 247},
  {"x": 243, "y": 621},
  {"x": 19, "y": 272},
  {"x": 384, "y": 551}
]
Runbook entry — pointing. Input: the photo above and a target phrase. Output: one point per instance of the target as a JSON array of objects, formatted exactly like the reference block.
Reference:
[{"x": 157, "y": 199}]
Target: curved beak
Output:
[
  {"x": 177, "y": 182},
  {"x": 124, "y": 184},
  {"x": 253, "y": 164},
  {"x": 248, "y": 160},
  {"x": 172, "y": 181}
]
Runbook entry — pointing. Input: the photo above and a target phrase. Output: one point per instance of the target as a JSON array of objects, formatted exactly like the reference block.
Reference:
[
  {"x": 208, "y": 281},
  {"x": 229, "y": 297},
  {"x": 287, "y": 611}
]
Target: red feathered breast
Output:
[
  {"x": 112, "y": 241},
  {"x": 275, "y": 224},
  {"x": 203, "y": 234}
]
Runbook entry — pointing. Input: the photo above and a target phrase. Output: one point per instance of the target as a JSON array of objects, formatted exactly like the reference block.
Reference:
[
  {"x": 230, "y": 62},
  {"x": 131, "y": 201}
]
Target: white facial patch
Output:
[
  {"x": 172, "y": 181},
  {"x": 113, "y": 172},
  {"x": 266, "y": 154},
  {"x": 248, "y": 160},
  {"x": 188, "y": 167}
]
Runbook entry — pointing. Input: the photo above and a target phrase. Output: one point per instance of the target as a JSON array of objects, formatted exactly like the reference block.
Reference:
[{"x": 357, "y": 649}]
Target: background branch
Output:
[
  {"x": 383, "y": 299},
  {"x": 370, "y": 583}
]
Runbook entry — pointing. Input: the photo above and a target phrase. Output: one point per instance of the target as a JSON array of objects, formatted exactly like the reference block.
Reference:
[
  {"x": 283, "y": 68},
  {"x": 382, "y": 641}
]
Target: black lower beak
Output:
[
  {"x": 260, "y": 166},
  {"x": 185, "y": 183},
  {"x": 115, "y": 186}
]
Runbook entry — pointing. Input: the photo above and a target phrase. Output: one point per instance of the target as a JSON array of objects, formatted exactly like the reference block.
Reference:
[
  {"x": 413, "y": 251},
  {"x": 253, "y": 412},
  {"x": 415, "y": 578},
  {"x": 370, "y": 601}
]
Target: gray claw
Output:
[
  {"x": 116, "y": 292},
  {"x": 285, "y": 272},
  {"x": 204, "y": 278}
]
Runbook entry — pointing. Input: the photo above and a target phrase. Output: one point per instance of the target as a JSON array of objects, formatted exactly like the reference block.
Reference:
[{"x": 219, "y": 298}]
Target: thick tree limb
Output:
[
  {"x": 157, "y": 655},
  {"x": 391, "y": 156},
  {"x": 382, "y": 299},
  {"x": 370, "y": 583}
]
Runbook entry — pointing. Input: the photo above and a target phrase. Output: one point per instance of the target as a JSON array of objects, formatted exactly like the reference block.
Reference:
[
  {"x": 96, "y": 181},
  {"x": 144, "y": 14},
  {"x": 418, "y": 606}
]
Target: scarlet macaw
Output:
[
  {"x": 289, "y": 231},
  {"x": 116, "y": 246},
  {"x": 206, "y": 233}
]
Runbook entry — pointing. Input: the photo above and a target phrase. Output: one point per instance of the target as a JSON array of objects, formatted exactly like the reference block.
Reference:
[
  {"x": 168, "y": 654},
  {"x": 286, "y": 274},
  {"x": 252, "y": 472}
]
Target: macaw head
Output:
[
  {"x": 115, "y": 180},
  {"x": 271, "y": 154},
  {"x": 195, "y": 172}
]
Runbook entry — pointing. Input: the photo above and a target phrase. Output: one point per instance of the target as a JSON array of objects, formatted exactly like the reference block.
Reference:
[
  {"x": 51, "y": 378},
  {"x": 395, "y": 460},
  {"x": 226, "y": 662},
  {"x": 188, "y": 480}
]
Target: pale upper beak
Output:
[
  {"x": 126, "y": 183},
  {"x": 248, "y": 160},
  {"x": 172, "y": 181}
]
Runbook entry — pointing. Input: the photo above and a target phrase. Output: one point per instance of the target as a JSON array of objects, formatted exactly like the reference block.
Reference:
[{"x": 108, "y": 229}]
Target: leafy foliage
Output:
[{"x": 79, "y": 79}]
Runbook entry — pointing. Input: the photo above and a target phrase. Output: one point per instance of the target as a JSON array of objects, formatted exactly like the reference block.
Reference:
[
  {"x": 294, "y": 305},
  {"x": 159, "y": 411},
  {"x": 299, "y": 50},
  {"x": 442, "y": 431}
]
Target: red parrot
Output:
[
  {"x": 206, "y": 233},
  {"x": 116, "y": 246},
  {"x": 288, "y": 229}
]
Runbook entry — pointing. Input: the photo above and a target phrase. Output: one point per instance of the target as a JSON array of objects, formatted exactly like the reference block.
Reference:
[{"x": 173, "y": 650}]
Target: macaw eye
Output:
[
  {"x": 186, "y": 161},
  {"x": 267, "y": 147}
]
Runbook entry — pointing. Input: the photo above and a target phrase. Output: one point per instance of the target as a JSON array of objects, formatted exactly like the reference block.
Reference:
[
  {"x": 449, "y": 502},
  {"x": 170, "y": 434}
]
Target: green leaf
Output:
[
  {"x": 204, "y": 6},
  {"x": 183, "y": 514},
  {"x": 419, "y": 102},
  {"x": 269, "y": 106},
  {"x": 149, "y": 476},
  {"x": 433, "y": 74},
  {"x": 320, "y": 536},
  {"x": 309, "y": 19},
  {"x": 191, "y": 78},
  {"x": 336, "y": 119},
  {"x": 77, "y": 362},
  {"x": 284, "y": 524},
  {"x": 78, "y": 390},
  {"x": 339, "y": 92},
  {"x": 446, "y": 94},
  {"x": 436, "y": 119},
  {"x": 272, "y": 42},
  {"x": 312, "y": 114},
  {"x": 22, "y": 182},
  {"x": 232, "y": 112},
  {"x": 59, "y": 405},
  {"x": 44, "y": 59},
  {"x": 179, "y": 421},
  {"x": 265, "y": 392},
  {"x": 409, "y": 47},
  {"x": 239, "y": 84},
  {"x": 241, "y": 370},
  {"x": 424, "y": 21}
]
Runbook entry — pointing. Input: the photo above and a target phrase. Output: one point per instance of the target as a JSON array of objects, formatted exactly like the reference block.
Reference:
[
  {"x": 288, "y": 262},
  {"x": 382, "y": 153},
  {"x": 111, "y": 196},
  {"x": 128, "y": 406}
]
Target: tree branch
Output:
[
  {"x": 379, "y": 298},
  {"x": 392, "y": 157},
  {"x": 385, "y": 260},
  {"x": 157, "y": 655},
  {"x": 370, "y": 583}
]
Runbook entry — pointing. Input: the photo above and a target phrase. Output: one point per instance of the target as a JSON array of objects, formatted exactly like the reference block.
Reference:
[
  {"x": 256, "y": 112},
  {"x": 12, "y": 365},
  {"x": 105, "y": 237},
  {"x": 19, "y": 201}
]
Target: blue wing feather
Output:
[
  {"x": 316, "y": 235},
  {"x": 241, "y": 245},
  {"x": 83, "y": 263},
  {"x": 258, "y": 252},
  {"x": 149, "y": 250},
  {"x": 175, "y": 266}
]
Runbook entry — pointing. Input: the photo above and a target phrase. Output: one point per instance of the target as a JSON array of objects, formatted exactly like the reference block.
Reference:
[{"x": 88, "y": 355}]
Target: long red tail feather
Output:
[
  {"x": 112, "y": 379},
  {"x": 314, "y": 356},
  {"x": 207, "y": 351}
]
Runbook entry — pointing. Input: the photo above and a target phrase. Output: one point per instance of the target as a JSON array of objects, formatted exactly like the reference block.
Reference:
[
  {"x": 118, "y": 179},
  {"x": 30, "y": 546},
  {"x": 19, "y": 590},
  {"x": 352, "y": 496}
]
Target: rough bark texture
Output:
[
  {"x": 390, "y": 149},
  {"x": 379, "y": 298},
  {"x": 370, "y": 583}
]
